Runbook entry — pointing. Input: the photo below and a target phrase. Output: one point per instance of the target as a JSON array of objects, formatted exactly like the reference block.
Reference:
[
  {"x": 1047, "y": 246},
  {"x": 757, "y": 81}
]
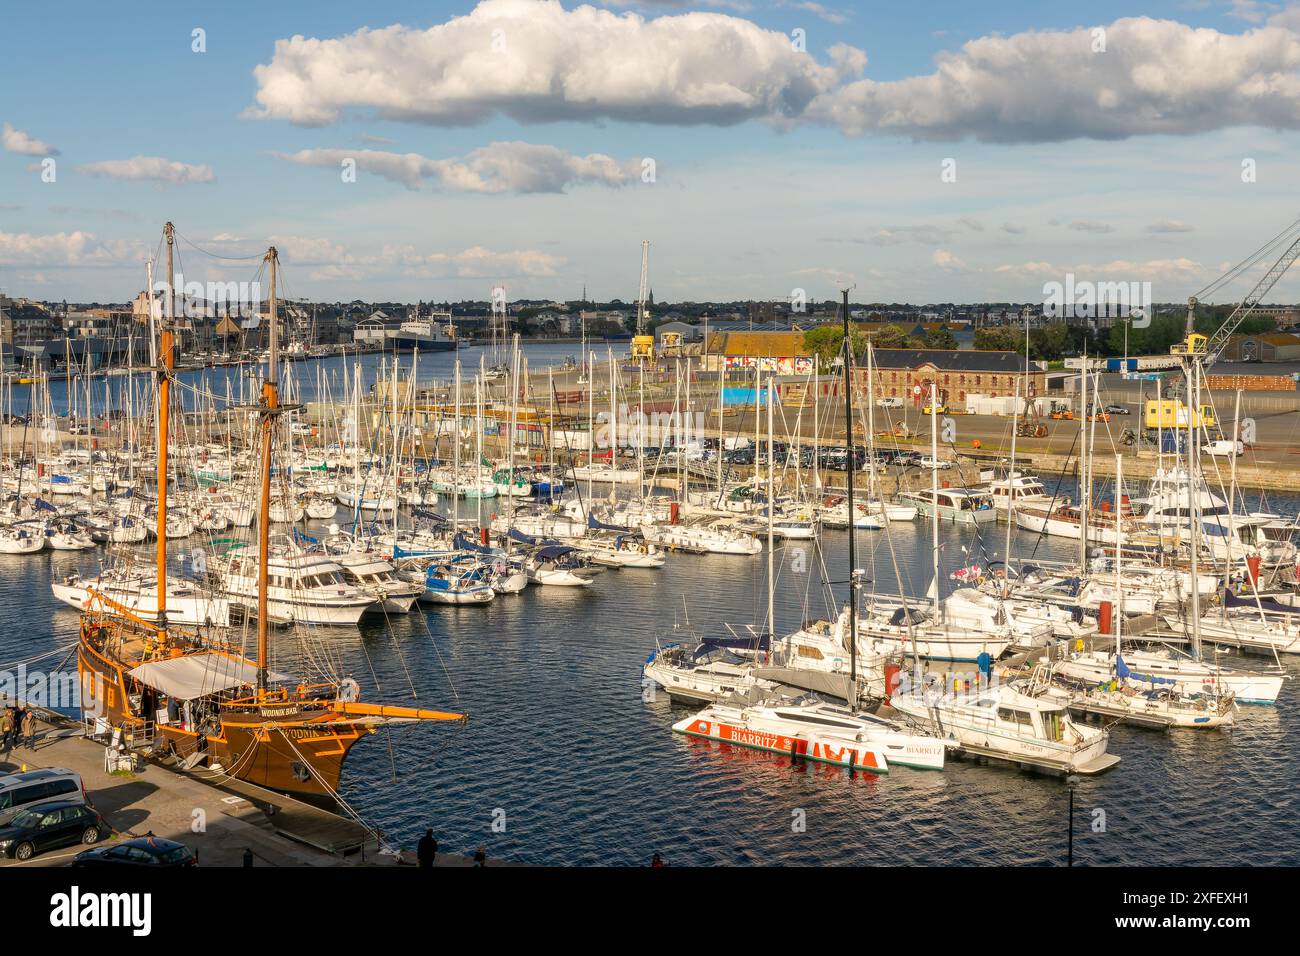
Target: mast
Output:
[
  {"x": 167, "y": 354},
  {"x": 1011, "y": 496},
  {"x": 855, "y": 582},
  {"x": 934, "y": 494},
  {"x": 771, "y": 517},
  {"x": 269, "y": 412},
  {"x": 1085, "y": 474},
  {"x": 1194, "y": 491},
  {"x": 1119, "y": 550}
]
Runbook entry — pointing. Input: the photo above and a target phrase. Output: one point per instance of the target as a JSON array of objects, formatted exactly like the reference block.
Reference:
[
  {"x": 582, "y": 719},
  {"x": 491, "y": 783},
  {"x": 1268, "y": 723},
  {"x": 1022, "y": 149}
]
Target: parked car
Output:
[
  {"x": 48, "y": 826},
  {"x": 30, "y": 787},
  {"x": 889, "y": 401},
  {"x": 154, "y": 852},
  {"x": 1118, "y": 410},
  {"x": 1225, "y": 448},
  {"x": 928, "y": 461}
]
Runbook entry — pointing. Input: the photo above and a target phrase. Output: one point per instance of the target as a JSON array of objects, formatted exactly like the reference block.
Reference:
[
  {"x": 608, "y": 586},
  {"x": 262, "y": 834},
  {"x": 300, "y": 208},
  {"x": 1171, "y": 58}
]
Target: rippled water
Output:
[{"x": 584, "y": 771}]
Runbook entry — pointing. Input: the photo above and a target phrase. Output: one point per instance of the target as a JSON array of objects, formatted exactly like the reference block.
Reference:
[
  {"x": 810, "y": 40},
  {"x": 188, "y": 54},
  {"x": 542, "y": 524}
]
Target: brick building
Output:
[{"x": 899, "y": 372}]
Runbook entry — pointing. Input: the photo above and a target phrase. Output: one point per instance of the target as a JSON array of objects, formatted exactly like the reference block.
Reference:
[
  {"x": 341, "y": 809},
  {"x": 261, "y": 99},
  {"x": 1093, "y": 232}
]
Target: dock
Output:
[
  {"x": 218, "y": 819},
  {"x": 1090, "y": 768}
]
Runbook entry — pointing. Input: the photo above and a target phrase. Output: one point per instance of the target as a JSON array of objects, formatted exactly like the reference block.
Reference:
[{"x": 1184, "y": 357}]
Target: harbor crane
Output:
[
  {"x": 1207, "y": 348},
  {"x": 643, "y": 345}
]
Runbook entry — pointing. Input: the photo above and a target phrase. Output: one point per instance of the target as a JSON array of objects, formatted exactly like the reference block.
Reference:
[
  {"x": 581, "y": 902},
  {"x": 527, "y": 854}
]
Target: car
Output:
[
  {"x": 928, "y": 461},
  {"x": 1118, "y": 410},
  {"x": 149, "y": 851},
  {"x": 889, "y": 401},
  {"x": 78, "y": 430},
  {"x": 48, "y": 826},
  {"x": 1224, "y": 448},
  {"x": 300, "y": 428},
  {"x": 21, "y": 790}
]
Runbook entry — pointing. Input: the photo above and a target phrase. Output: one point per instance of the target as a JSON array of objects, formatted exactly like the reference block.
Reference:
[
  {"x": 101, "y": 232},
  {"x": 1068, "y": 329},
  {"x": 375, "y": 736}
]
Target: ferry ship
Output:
[{"x": 434, "y": 333}]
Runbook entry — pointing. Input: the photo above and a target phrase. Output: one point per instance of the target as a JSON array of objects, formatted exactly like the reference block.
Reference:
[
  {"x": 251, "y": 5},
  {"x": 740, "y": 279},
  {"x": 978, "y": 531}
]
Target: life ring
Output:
[{"x": 349, "y": 690}]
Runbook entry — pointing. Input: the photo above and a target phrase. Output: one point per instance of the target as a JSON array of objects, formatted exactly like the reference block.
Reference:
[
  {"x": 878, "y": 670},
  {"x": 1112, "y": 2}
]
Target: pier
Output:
[{"x": 217, "y": 816}]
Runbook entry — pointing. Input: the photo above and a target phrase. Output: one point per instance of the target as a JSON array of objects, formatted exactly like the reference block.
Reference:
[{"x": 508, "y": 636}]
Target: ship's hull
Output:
[
  {"x": 276, "y": 748},
  {"x": 409, "y": 343}
]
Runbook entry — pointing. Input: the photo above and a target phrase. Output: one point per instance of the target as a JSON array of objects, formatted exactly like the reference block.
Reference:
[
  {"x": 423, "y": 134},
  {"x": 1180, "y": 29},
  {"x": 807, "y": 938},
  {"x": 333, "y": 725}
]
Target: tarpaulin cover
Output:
[
  {"x": 1267, "y": 604},
  {"x": 597, "y": 525},
  {"x": 760, "y": 642},
  {"x": 554, "y": 551},
  {"x": 197, "y": 675},
  {"x": 904, "y": 616},
  {"x": 465, "y": 543},
  {"x": 1123, "y": 671}
]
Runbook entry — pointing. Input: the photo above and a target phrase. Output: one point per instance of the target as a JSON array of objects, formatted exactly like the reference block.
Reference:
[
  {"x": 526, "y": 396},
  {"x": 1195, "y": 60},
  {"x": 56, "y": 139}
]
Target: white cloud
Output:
[
  {"x": 501, "y": 167},
  {"x": 926, "y": 235},
  {"x": 945, "y": 260},
  {"x": 17, "y": 141},
  {"x": 819, "y": 10},
  {"x": 1088, "y": 225},
  {"x": 534, "y": 61},
  {"x": 1155, "y": 76},
  {"x": 325, "y": 259},
  {"x": 52, "y": 250},
  {"x": 1013, "y": 228},
  {"x": 154, "y": 168},
  {"x": 1170, "y": 225},
  {"x": 1117, "y": 270}
]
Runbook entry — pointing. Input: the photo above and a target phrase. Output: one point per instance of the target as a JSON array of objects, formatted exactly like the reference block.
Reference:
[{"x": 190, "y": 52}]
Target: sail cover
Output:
[{"x": 197, "y": 675}]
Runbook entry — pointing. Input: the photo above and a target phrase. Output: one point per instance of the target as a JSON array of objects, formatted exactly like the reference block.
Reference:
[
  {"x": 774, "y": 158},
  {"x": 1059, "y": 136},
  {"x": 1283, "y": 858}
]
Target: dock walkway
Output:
[{"x": 218, "y": 820}]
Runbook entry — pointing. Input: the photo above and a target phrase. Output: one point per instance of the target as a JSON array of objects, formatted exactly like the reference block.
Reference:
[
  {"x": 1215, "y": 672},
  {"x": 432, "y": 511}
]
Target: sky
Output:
[{"x": 398, "y": 150}]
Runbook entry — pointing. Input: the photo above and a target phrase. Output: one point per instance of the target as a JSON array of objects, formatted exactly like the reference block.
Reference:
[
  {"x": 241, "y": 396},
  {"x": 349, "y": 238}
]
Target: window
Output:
[{"x": 810, "y": 652}]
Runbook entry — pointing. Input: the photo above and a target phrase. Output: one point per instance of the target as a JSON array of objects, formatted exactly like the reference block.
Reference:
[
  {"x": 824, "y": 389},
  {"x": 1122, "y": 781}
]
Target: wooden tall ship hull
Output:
[{"x": 293, "y": 740}]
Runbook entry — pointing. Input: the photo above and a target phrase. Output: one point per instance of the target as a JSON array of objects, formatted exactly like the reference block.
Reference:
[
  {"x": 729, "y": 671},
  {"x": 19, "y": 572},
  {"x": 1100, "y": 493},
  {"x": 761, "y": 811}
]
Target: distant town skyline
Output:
[{"x": 404, "y": 151}]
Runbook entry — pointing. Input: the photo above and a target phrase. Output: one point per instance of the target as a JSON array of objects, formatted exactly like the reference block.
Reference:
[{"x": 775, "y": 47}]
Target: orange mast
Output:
[
  {"x": 166, "y": 353},
  {"x": 270, "y": 409}
]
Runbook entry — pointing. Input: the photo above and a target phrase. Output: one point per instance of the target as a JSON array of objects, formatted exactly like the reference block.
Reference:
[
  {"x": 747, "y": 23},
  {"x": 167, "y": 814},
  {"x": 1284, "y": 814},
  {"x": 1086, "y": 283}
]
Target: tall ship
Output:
[
  {"x": 194, "y": 691},
  {"x": 432, "y": 333}
]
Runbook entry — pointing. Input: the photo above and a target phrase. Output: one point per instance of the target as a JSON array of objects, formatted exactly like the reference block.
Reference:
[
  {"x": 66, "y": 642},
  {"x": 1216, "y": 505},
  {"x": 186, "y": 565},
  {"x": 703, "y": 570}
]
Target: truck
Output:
[{"x": 1172, "y": 413}]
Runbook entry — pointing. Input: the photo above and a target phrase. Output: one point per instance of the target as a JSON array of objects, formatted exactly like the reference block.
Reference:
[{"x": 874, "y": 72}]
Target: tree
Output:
[
  {"x": 827, "y": 342},
  {"x": 890, "y": 337},
  {"x": 999, "y": 338},
  {"x": 940, "y": 338}
]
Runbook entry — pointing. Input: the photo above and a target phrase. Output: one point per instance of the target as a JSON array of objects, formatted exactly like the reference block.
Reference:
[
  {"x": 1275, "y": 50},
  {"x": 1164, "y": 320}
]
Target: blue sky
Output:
[{"x": 774, "y": 168}]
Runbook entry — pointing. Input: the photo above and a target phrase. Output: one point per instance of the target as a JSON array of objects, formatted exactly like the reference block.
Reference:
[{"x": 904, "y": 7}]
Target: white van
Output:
[
  {"x": 889, "y": 401},
  {"x": 19, "y": 790}
]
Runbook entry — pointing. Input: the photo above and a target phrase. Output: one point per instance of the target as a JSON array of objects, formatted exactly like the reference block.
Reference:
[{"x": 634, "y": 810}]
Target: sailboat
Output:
[{"x": 242, "y": 719}]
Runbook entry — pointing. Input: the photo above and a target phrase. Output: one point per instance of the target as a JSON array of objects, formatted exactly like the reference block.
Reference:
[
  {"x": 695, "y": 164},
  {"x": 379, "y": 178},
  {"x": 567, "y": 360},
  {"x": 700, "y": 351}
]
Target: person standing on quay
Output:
[
  {"x": 426, "y": 851},
  {"x": 7, "y": 728},
  {"x": 29, "y": 729}
]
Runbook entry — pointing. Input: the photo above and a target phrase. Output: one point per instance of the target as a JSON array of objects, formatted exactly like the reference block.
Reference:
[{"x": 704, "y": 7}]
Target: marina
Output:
[
  {"x": 851, "y": 443},
  {"x": 442, "y": 539}
]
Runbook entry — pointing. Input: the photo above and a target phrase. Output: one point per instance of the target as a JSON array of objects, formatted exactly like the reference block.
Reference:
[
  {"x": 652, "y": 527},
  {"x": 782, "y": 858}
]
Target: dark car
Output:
[
  {"x": 51, "y": 825},
  {"x": 1118, "y": 410},
  {"x": 143, "y": 851}
]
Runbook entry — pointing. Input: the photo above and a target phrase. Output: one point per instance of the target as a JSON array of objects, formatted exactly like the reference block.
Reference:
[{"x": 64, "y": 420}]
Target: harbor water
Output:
[{"x": 565, "y": 761}]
